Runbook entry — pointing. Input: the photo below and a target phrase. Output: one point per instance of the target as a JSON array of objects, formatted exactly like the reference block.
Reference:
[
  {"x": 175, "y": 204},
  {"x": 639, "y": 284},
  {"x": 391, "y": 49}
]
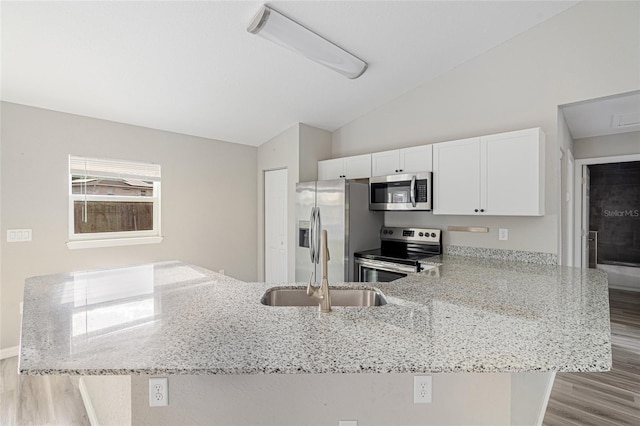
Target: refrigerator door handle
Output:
[
  {"x": 312, "y": 245},
  {"x": 412, "y": 191},
  {"x": 317, "y": 232}
]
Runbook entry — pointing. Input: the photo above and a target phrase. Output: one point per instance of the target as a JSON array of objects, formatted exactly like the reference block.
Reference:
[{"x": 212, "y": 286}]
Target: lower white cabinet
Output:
[
  {"x": 500, "y": 175},
  {"x": 354, "y": 167}
]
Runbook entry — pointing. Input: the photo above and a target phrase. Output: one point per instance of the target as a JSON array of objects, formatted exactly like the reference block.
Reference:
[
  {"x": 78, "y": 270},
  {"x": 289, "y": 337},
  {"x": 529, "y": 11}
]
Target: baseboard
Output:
[
  {"x": 622, "y": 287},
  {"x": 88, "y": 405},
  {"x": 9, "y": 352},
  {"x": 545, "y": 402}
]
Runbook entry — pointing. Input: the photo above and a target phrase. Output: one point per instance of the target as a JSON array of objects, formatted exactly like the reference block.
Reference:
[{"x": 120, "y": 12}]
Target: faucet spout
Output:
[{"x": 322, "y": 293}]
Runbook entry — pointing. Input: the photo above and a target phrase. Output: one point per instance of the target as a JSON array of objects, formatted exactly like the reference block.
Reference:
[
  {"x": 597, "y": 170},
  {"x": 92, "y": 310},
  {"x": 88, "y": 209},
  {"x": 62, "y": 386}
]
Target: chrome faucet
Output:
[{"x": 322, "y": 293}]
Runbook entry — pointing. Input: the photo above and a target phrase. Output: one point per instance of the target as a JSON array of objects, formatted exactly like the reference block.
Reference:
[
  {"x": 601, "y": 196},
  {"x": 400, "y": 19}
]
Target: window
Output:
[{"x": 113, "y": 202}]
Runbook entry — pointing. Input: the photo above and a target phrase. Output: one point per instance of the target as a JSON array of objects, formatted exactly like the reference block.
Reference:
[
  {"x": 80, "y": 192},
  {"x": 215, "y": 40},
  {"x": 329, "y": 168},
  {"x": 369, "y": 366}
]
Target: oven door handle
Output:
[{"x": 386, "y": 266}]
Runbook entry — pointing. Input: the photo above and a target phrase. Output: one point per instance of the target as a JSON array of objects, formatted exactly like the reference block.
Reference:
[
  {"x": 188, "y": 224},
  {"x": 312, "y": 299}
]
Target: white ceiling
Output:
[
  {"x": 192, "y": 68},
  {"x": 605, "y": 116}
]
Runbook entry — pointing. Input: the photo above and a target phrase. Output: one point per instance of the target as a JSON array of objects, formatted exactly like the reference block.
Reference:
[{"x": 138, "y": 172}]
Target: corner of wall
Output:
[{"x": 315, "y": 145}]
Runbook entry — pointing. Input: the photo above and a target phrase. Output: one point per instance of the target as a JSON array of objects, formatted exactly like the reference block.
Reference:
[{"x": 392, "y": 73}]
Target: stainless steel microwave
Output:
[{"x": 410, "y": 191}]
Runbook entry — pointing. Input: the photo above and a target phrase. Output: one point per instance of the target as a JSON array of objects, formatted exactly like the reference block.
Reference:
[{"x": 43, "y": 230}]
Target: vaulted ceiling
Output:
[{"x": 192, "y": 68}]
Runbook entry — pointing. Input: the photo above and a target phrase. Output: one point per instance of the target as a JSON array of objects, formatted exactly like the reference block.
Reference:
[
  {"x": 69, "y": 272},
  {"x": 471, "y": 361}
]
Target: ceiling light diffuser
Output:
[{"x": 281, "y": 30}]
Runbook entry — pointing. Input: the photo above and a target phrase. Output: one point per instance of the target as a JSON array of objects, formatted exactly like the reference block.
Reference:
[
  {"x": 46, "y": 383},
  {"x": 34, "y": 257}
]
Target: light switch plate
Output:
[
  {"x": 18, "y": 235},
  {"x": 503, "y": 234}
]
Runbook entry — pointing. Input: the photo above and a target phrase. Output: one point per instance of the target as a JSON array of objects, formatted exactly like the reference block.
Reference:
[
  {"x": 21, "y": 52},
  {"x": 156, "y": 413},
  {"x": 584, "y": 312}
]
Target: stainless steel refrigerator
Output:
[{"x": 342, "y": 208}]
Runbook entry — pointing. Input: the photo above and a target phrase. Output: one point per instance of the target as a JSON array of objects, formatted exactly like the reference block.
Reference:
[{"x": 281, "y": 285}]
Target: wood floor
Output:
[
  {"x": 38, "y": 400},
  {"x": 611, "y": 398},
  {"x": 577, "y": 399}
]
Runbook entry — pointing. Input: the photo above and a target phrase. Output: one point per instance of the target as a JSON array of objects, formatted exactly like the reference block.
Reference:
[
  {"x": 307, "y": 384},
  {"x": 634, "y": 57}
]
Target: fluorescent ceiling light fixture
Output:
[{"x": 281, "y": 30}]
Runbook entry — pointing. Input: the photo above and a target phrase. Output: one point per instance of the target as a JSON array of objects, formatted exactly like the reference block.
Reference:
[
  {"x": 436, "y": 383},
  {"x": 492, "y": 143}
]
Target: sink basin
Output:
[{"x": 297, "y": 296}]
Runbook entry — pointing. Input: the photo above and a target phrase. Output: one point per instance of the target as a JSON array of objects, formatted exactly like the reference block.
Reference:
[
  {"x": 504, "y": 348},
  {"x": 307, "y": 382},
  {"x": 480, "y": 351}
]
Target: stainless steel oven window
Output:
[{"x": 368, "y": 270}]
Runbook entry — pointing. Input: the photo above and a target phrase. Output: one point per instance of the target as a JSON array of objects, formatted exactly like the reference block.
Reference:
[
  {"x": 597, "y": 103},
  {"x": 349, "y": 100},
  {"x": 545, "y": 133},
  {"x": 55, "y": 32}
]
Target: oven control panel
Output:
[{"x": 411, "y": 235}]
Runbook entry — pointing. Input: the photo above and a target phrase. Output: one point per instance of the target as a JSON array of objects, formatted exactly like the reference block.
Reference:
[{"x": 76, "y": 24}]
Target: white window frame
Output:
[{"x": 109, "y": 168}]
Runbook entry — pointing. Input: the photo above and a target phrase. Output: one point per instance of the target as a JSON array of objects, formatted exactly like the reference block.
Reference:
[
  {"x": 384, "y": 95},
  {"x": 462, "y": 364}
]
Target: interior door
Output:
[
  {"x": 275, "y": 226},
  {"x": 584, "y": 229}
]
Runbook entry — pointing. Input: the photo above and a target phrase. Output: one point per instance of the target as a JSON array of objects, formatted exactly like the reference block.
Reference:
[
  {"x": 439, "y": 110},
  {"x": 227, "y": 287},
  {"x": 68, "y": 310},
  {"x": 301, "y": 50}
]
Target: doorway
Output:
[
  {"x": 609, "y": 227},
  {"x": 595, "y": 131},
  {"x": 275, "y": 226}
]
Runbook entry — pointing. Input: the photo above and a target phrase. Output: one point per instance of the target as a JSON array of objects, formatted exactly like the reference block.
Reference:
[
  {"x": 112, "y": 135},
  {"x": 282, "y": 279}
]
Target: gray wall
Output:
[
  {"x": 517, "y": 85},
  {"x": 279, "y": 152},
  {"x": 310, "y": 399},
  {"x": 298, "y": 150},
  {"x": 606, "y": 146},
  {"x": 208, "y": 199}
]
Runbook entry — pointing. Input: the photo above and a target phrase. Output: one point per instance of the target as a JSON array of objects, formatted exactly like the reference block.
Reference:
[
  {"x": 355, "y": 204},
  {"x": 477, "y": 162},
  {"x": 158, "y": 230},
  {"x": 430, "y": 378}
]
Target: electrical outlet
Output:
[
  {"x": 158, "y": 392},
  {"x": 503, "y": 234},
  {"x": 422, "y": 389}
]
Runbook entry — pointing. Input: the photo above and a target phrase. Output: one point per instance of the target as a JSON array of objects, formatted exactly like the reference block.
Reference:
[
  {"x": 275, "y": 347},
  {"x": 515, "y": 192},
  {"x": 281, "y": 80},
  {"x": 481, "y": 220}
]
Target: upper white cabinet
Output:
[
  {"x": 501, "y": 175},
  {"x": 355, "y": 167},
  {"x": 456, "y": 177},
  {"x": 406, "y": 160}
]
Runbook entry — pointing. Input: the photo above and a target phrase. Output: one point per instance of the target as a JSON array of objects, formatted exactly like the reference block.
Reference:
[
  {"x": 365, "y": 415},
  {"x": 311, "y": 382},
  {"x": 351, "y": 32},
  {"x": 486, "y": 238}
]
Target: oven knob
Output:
[
  {"x": 433, "y": 235},
  {"x": 421, "y": 234},
  {"x": 384, "y": 231},
  {"x": 390, "y": 232}
]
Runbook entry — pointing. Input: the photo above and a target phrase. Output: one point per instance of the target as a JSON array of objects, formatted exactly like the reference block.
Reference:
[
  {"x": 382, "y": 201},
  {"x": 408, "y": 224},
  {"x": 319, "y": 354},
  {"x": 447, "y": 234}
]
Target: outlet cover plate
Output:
[
  {"x": 422, "y": 389},
  {"x": 158, "y": 392}
]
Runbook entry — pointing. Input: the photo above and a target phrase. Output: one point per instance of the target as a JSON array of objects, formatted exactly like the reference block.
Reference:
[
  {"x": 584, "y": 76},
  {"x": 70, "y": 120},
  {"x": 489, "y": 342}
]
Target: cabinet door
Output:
[
  {"x": 331, "y": 169},
  {"x": 385, "y": 163},
  {"x": 513, "y": 168},
  {"x": 456, "y": 177},
  {"x": 358, "y": 166},
  {"x": 417, "y": 159}
]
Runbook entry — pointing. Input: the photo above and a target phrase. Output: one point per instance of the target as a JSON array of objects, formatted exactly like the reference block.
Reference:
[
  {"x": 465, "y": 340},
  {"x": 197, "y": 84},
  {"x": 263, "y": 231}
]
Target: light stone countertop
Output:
[{"x": 467, "y": 315}]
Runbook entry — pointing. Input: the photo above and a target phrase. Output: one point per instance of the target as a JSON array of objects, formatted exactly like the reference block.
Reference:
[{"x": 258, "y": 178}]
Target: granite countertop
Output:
[{"x": 466, "y": 315}]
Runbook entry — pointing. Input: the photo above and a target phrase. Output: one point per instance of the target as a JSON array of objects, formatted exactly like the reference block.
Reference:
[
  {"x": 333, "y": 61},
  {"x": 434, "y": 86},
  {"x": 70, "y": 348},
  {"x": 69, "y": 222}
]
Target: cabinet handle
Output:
[
  {"x": 481, "y": 210},
  {"x": 400, "y": 170},
  {"x": 476, "y": 210}
]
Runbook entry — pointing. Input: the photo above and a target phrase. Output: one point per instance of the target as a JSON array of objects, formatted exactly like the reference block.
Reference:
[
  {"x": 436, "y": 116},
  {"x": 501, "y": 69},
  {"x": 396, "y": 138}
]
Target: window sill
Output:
[{"x": 115, "y": 242}]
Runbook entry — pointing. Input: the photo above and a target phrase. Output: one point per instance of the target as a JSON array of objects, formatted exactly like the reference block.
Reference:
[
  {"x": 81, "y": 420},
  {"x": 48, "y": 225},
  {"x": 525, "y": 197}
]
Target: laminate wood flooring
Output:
[
  {"x": 38, "y": 400},
  {"x": 611, "y": 398}
]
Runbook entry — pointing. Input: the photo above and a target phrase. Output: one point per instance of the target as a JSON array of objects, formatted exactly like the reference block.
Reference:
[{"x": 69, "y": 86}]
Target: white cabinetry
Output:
[
  {"x": 406, "y": 160},
  {"x": 456, "y": 177},
  {"x": 501, "y": 175},
  {"x": 355, "y": 167}
]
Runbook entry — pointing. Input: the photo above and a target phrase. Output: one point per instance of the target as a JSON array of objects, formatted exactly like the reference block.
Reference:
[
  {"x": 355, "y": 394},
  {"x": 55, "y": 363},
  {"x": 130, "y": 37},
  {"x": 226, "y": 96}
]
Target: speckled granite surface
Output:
[
  {"x": 502, "y": 254},
  {"x": 467, "y": 315}
]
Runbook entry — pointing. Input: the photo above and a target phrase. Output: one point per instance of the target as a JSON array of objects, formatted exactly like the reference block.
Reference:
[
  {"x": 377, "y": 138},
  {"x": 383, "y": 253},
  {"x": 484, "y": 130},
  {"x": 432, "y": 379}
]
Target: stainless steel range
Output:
[{"x": 402, "y": 251}]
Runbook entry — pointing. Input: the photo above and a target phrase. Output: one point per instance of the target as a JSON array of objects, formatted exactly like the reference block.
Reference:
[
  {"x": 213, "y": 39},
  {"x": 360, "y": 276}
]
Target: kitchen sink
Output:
[{"x": 297, "y": 296}]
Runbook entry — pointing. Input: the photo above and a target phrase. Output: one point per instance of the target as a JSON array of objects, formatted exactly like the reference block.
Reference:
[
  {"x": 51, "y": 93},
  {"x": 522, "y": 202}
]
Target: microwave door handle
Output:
[
  {"x": 311, "y": 225},
  {"x": 412, "y": 191}
]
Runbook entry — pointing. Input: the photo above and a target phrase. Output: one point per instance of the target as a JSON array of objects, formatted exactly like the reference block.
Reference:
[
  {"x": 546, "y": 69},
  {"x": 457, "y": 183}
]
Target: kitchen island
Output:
[{"x": 464, "y": 316}]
